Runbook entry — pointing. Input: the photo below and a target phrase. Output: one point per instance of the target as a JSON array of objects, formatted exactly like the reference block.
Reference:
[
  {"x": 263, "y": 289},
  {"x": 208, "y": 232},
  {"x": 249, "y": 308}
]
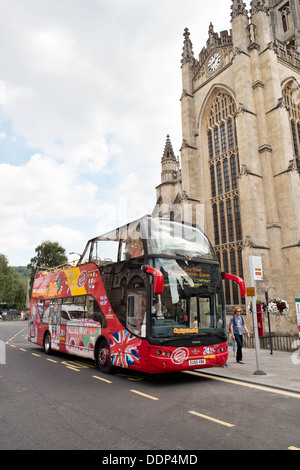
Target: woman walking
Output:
[{"x": 237, "y": 324}]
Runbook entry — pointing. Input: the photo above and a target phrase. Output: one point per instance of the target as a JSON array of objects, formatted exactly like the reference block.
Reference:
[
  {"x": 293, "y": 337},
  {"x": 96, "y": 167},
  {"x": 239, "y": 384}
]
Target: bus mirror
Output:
[
  {"x": 158, "y": 278},
  {"x": 237, "y": 280}
]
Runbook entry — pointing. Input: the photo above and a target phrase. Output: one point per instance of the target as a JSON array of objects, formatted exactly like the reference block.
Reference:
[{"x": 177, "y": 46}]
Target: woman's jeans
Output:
[{"x": 239, "y": 342}]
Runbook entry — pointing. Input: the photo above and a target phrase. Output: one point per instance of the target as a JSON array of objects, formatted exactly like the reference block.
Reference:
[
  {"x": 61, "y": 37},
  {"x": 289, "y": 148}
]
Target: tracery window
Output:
[
  {"x": 291, "y": 98},
  {"x": 224, "y": 171},
  {"x": 285, "y": 13}
]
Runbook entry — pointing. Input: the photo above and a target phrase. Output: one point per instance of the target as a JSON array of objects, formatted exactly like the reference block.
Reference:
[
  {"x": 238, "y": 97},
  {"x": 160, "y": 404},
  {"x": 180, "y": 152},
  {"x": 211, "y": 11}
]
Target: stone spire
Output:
[
  {"x": 187, "y": 54},
  {"x": 168, "y": 151},
  {"x": 238, "y": 8},
  {"x": 170, "y": 167}
]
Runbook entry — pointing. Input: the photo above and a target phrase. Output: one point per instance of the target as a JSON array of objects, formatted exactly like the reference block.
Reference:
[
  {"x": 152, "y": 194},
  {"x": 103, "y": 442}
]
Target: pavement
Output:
[{"x": 282, "y": 369}]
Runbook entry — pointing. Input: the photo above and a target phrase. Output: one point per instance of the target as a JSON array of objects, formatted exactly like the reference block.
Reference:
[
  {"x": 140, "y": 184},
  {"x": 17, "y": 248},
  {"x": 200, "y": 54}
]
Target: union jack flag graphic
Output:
[{"x": 124, "y": 349}]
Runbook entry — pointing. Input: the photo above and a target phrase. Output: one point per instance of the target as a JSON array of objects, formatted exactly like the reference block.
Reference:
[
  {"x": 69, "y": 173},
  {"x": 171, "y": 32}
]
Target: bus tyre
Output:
[
  {"x": 103, "y": 358},
  {"x": 47, "y": 344}
]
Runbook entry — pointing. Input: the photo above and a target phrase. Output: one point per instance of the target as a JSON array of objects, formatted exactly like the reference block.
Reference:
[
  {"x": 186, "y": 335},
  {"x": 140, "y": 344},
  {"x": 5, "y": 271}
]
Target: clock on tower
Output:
[{"x": 214, "y": 62}]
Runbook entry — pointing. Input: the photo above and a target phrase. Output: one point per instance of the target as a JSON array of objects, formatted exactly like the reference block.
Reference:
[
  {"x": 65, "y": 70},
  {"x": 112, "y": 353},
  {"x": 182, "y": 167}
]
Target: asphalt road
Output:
[{"x": 64, "y": 402}]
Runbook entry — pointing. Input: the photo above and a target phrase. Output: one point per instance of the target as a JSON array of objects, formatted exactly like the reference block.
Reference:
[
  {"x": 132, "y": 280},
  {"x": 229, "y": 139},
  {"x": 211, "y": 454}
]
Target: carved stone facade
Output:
[{"x": 240, "y": 154}]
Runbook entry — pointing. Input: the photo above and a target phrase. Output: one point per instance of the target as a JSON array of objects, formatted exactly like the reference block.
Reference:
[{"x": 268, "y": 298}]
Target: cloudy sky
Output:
[{"x": 89, "y": 89}]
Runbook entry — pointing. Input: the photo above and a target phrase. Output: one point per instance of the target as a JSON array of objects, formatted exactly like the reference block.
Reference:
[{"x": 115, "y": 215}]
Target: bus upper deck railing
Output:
[{"x": 43, "y": 270}]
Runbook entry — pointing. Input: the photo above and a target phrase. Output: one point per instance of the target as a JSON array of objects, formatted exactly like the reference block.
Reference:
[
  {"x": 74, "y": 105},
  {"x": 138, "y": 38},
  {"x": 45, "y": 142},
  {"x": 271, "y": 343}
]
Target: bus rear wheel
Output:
[
  {"x": 47, "y": 344},
  {"x": 103, "y": 358}
]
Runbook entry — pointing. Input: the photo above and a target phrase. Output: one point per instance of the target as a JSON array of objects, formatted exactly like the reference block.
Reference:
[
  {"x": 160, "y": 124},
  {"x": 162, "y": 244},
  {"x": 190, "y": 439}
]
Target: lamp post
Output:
[
  {"x": 74, "y": 253},
  {"x": 269, "y": 322}
]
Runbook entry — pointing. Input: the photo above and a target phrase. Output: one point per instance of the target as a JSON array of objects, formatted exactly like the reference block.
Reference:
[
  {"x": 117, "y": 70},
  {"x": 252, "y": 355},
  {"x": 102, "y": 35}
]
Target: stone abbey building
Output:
[{"x": 239, "y": 176}]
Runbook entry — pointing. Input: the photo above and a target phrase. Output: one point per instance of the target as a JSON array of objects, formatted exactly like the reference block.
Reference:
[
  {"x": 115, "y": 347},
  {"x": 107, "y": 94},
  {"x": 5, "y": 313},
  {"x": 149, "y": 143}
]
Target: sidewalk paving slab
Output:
[{"x": 282, "y": 369}]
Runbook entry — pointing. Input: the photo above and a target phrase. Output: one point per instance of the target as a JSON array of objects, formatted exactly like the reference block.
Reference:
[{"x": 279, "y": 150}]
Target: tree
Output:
[
  {"x": 12, "y": 286},
  {"x": 48, "y": 254}
]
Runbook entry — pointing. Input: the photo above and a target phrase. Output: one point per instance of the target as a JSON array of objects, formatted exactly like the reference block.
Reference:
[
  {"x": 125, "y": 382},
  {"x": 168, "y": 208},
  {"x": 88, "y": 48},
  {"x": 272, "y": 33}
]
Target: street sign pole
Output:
[
  {"x": 298, "y": 313},
  {"x": 255, "y": 273},
  {"x": 269, "y": 322}
]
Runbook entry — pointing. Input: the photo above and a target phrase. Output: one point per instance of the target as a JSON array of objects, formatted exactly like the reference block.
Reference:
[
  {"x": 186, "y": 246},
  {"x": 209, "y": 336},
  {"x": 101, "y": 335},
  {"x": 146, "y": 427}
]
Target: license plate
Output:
[{"x": 197, "y": 362}]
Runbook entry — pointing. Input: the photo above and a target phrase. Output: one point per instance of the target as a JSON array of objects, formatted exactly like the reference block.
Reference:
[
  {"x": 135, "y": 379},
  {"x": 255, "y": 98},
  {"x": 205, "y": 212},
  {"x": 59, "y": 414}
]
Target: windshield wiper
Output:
[
  {"x": 167, "y": 340},
  {"x": 220, "y": 334},
  {"x": 182, "y": 255}
]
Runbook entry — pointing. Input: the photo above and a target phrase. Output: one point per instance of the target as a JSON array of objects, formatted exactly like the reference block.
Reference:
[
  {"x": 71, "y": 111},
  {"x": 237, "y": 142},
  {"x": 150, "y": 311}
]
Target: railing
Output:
[
  {"x": 280, "y": 342},
  {"x": 43, "y": 271}
]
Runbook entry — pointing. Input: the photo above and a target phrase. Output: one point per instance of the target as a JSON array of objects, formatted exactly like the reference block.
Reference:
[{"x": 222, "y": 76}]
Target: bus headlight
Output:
[
  {"x": 163, "y": 353},
  {"x": 223, "y": 349}
]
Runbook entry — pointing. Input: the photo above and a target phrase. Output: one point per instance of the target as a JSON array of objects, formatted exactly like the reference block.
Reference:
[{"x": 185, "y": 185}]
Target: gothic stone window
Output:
[
  {"x": 285, "y": 14},
  {"x": 291, "y": 97},
  {"x": 224, "y": 171}
]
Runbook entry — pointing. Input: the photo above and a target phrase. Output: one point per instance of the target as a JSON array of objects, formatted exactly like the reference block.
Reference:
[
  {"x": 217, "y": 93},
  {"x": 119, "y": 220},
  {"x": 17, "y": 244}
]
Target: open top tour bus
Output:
[{"x": 147, "y": 296}]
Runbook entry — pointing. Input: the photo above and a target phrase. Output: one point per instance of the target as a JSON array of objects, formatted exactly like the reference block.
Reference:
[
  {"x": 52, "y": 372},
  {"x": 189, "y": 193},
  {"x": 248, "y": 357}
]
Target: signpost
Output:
[
  {"x": 2, "y": 353},
  {"x": 298, "y": 313},
  {"x": 256, "y": 274},
  {"x": 269, "y": 322}
]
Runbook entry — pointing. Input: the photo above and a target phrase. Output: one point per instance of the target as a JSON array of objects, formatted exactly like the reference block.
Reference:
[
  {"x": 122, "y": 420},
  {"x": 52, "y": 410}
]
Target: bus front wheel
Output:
[
  {"x": 47, "y": 343},
  {"x": 103, "y": 358}
]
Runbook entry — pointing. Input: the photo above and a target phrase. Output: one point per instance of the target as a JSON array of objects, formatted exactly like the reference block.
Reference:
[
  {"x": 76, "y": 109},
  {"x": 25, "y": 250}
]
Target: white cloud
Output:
[
  {"x": 44, "y": 189},
  {"x": 53, "y": 51},
  {"x": 94, "y": 85},
  {"x": 58, "y": 232},
  {"x": 2, "y": 93}
]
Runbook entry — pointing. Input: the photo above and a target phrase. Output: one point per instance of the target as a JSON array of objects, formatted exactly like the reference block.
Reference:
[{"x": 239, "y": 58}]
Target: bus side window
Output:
[
  {"x": 54, "y": 312},
  {"x": 64, "y": 318},
  {"x": 130, "y": 311},
  {"x": 40, "y": 309},
  {"x": 94, "y": 312},
  {"x": 46, "y": 313},
  {"x": 136, "y": 312}
]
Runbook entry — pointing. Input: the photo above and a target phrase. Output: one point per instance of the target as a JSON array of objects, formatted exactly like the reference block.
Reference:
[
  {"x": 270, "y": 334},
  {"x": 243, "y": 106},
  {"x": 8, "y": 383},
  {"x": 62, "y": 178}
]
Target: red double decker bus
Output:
[{"x": 147, "y": 296}]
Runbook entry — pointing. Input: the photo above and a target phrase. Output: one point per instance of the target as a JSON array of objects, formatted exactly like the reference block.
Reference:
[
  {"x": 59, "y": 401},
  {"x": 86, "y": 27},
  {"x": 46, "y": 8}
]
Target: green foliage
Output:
[
  {"x": 48, "y": 254},
  {"x": 22, "y": 270},
  {"x": 12, "y": 285}
]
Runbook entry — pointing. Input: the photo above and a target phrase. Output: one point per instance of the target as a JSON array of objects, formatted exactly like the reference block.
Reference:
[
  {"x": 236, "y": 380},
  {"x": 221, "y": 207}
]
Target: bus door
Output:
[
  {"x": 54, "y": 322},
  {"x": 64, "y": 318},
  {"x": 44, "y": 316},
  {"x": 33, "y": 321}
]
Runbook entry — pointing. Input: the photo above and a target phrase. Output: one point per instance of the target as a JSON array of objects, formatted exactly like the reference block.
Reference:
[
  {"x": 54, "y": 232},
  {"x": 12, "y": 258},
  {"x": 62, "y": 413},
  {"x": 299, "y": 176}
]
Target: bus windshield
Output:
[
  {"x": 192, "y": 302},
  {"x": 173, "y": 238}
]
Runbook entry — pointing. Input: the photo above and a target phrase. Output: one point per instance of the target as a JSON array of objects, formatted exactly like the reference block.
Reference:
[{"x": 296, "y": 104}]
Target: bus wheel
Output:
[
  {"x": 103, "y": 359},
  {"x": 47, "y": 344}
]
